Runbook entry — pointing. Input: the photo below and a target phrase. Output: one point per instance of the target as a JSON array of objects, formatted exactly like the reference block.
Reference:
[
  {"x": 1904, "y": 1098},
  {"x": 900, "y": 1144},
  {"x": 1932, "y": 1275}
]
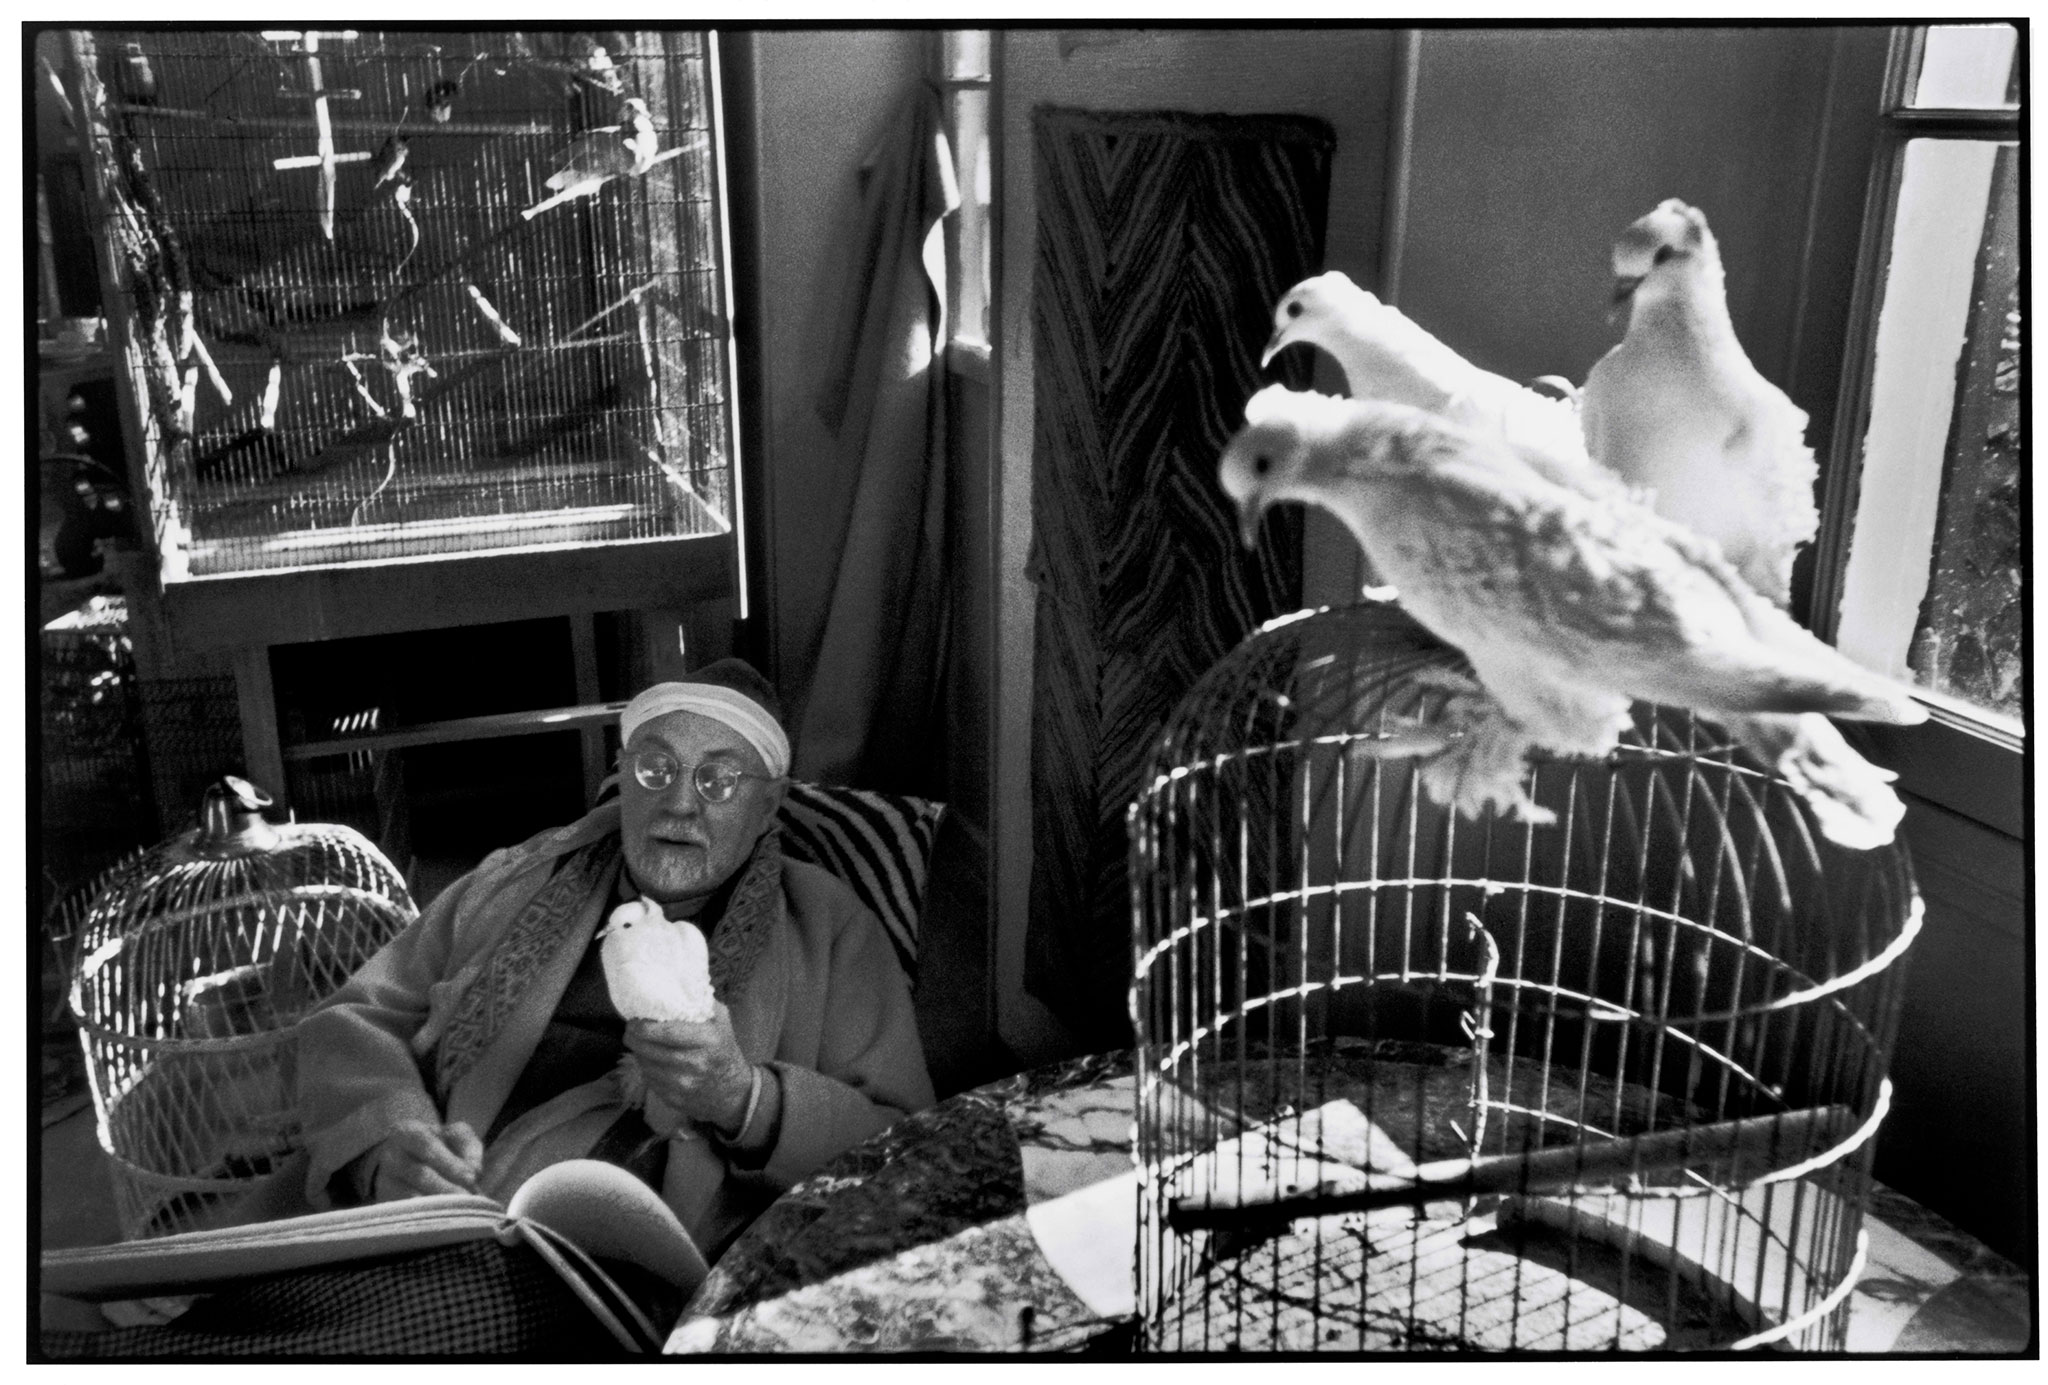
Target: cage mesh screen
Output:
[
  {"x": 1651, "y": 1038},
  {"x": 345, "y": 361},
  {"x": 96, "y": 793}
]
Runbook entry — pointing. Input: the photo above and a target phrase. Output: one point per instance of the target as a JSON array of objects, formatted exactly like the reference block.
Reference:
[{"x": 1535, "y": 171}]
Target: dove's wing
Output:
[
  {"x": 1768, "y": 452},
  {"x": 1852, "y": 692},
  {"x": 1851, "y": 798},
  {"x": 693, "y": 973},
  {"x": 1594, "y": 595}
]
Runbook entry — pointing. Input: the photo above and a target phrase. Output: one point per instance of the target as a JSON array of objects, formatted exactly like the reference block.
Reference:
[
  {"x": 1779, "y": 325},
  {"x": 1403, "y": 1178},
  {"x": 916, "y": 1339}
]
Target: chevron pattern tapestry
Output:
[{"x": 1163, "y": 242}]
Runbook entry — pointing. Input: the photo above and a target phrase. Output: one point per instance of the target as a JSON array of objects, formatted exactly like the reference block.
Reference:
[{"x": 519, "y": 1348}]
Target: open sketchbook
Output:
[{"x": 572, "y": 1214}]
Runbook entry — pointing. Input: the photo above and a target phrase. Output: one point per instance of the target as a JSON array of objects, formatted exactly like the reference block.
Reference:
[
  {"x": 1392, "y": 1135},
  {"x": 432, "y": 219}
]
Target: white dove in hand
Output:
[
  {"x": 655, "y": 968},
  {"x": 1677, "y": 409},
  {"x": 600, "y": 155},
  {"x": 1568, "y": 607}
]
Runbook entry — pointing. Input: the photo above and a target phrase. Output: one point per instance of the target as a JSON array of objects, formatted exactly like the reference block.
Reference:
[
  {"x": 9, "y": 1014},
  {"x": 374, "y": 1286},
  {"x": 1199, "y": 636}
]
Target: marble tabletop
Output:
[{"x": 925, "y": 1240}]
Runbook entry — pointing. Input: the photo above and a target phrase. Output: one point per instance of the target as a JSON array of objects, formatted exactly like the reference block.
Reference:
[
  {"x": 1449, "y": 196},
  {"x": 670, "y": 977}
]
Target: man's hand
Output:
[
  {"x": 696, "y": 1069},
  {"x": 419, "y": 1158}
]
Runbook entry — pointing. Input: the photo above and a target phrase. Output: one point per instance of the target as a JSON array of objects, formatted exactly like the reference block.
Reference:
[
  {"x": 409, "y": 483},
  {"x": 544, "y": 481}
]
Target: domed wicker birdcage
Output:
[
  {"x": 196, "y": 959},
  {"x": 1409, "y": 1081}
]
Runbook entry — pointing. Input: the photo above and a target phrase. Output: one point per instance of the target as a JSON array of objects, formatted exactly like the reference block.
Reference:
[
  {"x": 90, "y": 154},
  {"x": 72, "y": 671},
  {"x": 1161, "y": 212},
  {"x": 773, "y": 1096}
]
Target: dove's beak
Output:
[{"x": 1273, "y": 345}]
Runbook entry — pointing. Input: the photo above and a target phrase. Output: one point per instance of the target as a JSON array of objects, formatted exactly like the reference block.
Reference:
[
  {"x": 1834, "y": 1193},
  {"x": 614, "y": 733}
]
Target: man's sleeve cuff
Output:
[{"x": 762, "y": 1119}]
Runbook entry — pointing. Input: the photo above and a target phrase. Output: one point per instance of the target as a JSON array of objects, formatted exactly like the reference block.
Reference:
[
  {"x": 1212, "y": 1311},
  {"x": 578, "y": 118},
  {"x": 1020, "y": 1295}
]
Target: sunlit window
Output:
[
  {"x": 1968, "y": 67},
  {"x": 1932, "y": 588}
]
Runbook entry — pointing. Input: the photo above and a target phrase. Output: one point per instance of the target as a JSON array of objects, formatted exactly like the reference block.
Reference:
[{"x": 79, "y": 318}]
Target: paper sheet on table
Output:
[
  {"x": 1880, "y": 1311},
  {"x": 1090, "y": 1235}
]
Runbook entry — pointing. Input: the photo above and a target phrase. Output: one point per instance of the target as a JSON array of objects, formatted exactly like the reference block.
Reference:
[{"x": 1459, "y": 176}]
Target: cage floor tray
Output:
[{"x": 1335, "y": 1284}]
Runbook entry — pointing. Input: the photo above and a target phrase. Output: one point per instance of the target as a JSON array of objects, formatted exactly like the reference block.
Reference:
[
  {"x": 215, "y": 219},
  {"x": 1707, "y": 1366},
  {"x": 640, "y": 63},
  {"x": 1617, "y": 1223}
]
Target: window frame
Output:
[{"x": 1957, "y": 759}]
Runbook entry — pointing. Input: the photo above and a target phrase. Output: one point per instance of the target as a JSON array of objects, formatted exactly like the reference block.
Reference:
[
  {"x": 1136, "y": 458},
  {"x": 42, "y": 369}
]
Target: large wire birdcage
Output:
[
  {"x": 196, "y": 960},
  {"x": 362, "y": 324},
  {"x": 1408, "y": 1081}
]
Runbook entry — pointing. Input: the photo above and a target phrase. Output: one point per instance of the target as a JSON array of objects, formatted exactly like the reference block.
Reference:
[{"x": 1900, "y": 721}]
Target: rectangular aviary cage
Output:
[
  {"x": 386, "y": 296},
  {"x": 1412, "y": 1082}
]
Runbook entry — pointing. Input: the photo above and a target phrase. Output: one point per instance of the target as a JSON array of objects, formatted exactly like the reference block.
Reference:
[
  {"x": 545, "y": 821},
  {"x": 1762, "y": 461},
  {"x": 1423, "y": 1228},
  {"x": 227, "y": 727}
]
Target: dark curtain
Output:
[
  {"x": 1164, "y": 241},
  {"x": 869, "y": 715}
]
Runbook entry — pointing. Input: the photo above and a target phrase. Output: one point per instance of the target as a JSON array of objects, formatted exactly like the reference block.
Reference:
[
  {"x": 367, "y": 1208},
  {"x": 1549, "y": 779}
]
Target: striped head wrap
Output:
[{"x": 728, "y": 691}]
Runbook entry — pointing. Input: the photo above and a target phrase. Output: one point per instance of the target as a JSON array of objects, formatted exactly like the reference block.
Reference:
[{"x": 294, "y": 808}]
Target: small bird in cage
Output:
[
  {"x": 390, "y": 159},
  {"x": 600, "y": 71},
  {"x": 273, "y": 389},
  {"x": 598, "y": 156},
  {"x": 1568, "y": 608},
  {"x": 439, "y": 101},
  {"x": 1678, "y": 409},
  {"x": 136, "y": 84},
  {"x": 403, "y": 358},
  {"x": 401, "y": 198}
]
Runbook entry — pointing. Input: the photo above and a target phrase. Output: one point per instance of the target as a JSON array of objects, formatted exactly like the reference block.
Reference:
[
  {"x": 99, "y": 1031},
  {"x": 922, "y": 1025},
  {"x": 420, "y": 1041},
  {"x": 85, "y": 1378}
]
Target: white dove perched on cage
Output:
[
  {"x": 1386, "y": 355},
  {"x": 598, "y": 156},
  {"x": 1677, "y": 409},
  {"x": 1568, "y": 607},
  {"x": 655, "y": 968}
]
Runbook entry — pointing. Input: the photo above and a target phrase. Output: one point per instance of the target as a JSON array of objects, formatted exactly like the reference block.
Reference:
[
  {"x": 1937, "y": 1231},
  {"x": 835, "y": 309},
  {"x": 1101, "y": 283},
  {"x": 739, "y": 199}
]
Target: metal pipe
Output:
[{"x": 1400, "y": 160}]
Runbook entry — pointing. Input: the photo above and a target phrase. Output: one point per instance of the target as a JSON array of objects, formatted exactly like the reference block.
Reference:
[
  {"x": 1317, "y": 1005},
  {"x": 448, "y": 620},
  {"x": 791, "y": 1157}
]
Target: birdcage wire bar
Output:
[
  {"x": 439, "y": 375},
  {"x": 1323, "y": 956},
  {"x": 192, "y": 973}
]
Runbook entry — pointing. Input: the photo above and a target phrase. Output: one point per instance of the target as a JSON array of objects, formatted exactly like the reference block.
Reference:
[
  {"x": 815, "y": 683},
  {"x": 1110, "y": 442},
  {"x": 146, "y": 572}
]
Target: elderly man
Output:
[{"x": 481, "y": 1044}]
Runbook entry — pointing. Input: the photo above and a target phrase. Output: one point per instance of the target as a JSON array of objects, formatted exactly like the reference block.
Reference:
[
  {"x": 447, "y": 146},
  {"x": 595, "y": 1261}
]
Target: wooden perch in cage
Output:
[
  {"x": 319, "y": 93},
  {"x": 401, "y": 360},
  {"x": 1759, "y": 1143},
  {"x": 292, "y": 122}
]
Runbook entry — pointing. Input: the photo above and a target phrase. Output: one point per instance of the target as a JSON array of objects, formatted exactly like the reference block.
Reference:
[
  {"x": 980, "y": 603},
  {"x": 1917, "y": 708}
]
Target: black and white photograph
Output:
[{"x": 829, "y": 689}]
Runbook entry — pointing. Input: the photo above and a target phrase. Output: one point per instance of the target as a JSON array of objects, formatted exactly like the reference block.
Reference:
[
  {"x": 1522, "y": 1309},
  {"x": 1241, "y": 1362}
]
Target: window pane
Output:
[
  {"x": 970, "y": 150},
  {"x": 1968, "y": 640},
  {"x": 965, "y": 56},
  {"x": 1968, "y": 67},
  {"x": 1931, "y": 592},
  {"x": 966, "y": 52}
]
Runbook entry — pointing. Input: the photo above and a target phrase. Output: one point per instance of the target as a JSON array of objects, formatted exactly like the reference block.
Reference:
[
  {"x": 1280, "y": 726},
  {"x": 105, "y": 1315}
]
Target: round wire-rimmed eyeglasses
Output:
[{"x": 715, "y": 781}]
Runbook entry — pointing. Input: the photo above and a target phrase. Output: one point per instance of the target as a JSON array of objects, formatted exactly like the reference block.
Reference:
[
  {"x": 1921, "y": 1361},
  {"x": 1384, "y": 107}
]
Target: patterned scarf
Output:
[{"x": 546, "y": 924}]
